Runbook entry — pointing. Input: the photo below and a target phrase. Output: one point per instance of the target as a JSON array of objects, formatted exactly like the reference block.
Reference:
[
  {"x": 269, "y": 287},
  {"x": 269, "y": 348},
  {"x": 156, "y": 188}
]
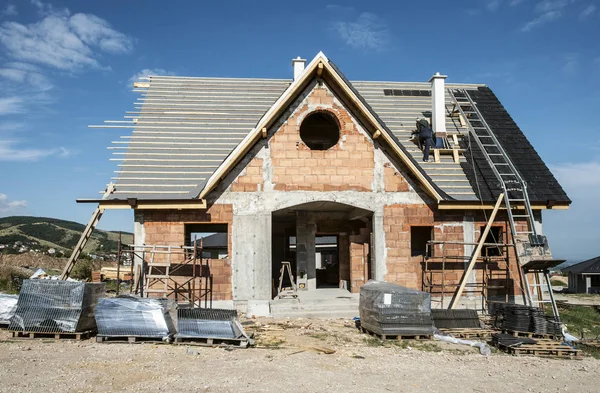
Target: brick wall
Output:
[
  {"x": 167, "y": 227},
  {"x": 393, "y": 180},
  {"x": 346, "y": 166},
  {"x": 251, "y": 178}
]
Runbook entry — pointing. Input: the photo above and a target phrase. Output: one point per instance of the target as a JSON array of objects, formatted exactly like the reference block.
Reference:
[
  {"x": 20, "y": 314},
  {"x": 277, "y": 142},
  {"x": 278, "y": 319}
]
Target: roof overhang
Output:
[
  {"x": 477, "y": 205},
  {"x": 158, "y": 204},
  {"x": 319, "y": 67}
]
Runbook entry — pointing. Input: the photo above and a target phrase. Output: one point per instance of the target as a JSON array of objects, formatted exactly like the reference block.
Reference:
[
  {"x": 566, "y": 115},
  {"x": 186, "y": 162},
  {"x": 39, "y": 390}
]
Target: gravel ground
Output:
[{"x": 288, "y": 358}]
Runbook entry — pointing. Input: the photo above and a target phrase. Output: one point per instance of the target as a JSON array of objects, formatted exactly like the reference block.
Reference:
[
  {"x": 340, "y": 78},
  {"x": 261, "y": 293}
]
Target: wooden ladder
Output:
[{"x": 158, "y": 273}]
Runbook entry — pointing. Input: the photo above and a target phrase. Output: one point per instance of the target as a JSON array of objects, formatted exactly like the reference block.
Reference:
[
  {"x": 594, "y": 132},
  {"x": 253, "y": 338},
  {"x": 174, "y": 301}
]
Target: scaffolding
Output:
[
  {"x": 177, "y": 272},
  {"x": 443, "y": 267}
]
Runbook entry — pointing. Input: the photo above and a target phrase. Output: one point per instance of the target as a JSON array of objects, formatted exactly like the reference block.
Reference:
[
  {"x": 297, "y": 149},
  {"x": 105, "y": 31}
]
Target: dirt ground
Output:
[{"x": 289, "y": 357}]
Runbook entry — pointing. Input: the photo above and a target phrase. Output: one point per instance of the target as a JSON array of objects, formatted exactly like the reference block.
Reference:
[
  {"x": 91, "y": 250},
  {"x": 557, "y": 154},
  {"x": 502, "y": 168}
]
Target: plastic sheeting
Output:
[
  {"x": 48, "y": 306},
  {"x": 390, "y": 309},
  {"x": 484, "y": 349},
  {"x": 209, "y": 323},
  {"x": 132, "y": 316},
  {"x": 8, "y": 306}
]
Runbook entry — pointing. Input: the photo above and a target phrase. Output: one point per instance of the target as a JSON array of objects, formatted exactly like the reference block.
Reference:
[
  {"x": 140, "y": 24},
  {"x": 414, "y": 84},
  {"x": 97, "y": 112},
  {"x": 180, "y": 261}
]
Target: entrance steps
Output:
[{"x": 317, "y": 303}]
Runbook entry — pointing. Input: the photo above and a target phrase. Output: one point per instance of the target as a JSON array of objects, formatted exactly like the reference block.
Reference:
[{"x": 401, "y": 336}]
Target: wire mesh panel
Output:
[
  {"x": 389, "y": 309},
  {"x": 208, "y": 323},
  {"x": 8, "y": 306},
  {"x": 54, "y": 306},
  {"x": 132, "y": 316}
]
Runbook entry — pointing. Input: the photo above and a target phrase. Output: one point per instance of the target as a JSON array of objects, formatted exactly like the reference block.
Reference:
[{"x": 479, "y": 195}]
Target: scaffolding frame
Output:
[
  {"x": 485, "y": 268},
  {"x": 153, "y": 265}
]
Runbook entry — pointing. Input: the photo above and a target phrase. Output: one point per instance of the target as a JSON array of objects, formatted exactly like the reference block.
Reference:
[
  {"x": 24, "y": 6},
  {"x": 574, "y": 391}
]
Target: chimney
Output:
[
  {"x": 298, "y": 64},
  {"x": 438, "y": 100}
]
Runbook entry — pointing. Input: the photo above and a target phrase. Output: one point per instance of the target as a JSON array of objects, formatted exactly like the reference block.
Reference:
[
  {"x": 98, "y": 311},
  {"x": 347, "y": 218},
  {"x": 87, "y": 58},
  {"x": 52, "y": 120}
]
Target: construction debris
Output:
[{"x": 8, "y": 306}]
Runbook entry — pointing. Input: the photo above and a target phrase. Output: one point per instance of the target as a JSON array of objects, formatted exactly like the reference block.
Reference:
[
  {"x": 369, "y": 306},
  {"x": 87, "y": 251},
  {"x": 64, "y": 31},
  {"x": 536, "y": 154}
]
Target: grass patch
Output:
[
  {"x": 558, "y": 283},
  {"x": 427, "y": 346},
  {"x": 581, "y": 321},
  {"x": 273, "y": 344},
  {"x": 373, "y": 342}
]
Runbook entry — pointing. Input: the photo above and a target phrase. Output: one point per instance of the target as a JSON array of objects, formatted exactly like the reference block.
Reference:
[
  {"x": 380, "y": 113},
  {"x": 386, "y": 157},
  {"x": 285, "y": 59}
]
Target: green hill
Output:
[{"x": 59, "y": 234}]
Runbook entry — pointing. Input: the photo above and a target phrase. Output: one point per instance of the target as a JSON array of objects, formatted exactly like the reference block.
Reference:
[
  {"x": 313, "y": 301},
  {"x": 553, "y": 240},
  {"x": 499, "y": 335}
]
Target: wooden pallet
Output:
[
  {"x": 131, "y": 339},
  {"x": 212, "y": 342},
  {"x": 397, "y": 336},
  {"x": 542, "y": 348},
  {"x": 57, "y": 336},
  {"x": 516, "y": 333},
  {"x": 470, "y": 332}
]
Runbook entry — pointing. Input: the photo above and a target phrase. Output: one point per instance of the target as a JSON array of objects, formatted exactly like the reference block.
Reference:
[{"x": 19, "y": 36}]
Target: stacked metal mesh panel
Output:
[
  {"x": 132, "y": 316},
  {"x": 53, "y": 306},
  {"x": 208, "y": 323},
  {"x": 8, "y": 306},
  {"x": 455, "y": 319},
  {"x": 389, "y": 309},
  {"x": 521, "y": 318}
]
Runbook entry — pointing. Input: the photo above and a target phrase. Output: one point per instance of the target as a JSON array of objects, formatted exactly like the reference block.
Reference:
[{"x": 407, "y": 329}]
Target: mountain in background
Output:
[{"x": 61, "y": 235}]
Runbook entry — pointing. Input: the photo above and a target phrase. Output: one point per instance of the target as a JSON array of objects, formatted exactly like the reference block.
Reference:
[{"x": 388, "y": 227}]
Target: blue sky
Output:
[{"x": 67, "y": 64}]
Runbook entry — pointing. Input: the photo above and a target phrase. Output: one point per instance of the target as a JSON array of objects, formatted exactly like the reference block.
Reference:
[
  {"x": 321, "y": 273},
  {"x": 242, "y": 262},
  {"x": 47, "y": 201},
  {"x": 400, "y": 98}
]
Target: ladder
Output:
[
  {"x": 85, "y": 236},
  {"x": 158, "y": 274},
  {"x": 516, "y": 198}
]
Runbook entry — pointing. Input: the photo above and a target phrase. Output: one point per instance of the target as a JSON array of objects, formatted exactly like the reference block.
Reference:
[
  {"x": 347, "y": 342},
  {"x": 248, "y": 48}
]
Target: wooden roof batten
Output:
[{"x": 318, "y": 67}]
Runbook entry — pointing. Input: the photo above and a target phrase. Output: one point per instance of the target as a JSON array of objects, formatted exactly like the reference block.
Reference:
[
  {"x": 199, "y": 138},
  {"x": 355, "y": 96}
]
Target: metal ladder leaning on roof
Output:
[{"x": 514, "y": 189}]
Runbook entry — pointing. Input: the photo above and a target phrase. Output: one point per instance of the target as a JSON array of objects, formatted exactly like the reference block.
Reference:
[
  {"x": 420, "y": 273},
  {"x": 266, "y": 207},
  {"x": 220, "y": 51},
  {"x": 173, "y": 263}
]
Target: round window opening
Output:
[{"x": 320, "y": 131}]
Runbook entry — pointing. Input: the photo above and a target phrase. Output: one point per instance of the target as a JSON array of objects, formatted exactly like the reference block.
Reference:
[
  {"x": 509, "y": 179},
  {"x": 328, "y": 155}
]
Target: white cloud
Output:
[
  {"x": 541, "y": 19},
  {"x": 63, "y": 41},
  {"x": 9, "y": 10},
  {"x": 368, "y": 32},
  {"x": 11, "y": 126},
  {"x": 10, "y": 105},
  {"x": 147, "y": 72},
  {"x": 547, "y": 11},
  {"x": 588, "y": 11},
  {"x": 11, "y": 151},
  {"x": 20, "y": 73},
  {"x": 571, "y": 63},
  {"x": 493, "y": 5},
  {"x": 573, "y": 233},
  {"x": 8, "y": 207}
]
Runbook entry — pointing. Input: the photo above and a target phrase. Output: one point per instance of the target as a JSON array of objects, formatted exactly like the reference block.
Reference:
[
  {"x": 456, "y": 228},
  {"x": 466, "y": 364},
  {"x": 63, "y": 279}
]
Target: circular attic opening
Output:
[{"x": 320, "y": 130}]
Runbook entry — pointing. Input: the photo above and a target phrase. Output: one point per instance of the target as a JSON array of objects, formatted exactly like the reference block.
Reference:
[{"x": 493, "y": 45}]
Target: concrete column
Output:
[
  {"x": 139, "y": 234},
  {"x": 469, "y": 237},
  {"x": 305, "y": 249},
  {"x": 251, "y": 244},
  {"x": 378, "y": 259}
]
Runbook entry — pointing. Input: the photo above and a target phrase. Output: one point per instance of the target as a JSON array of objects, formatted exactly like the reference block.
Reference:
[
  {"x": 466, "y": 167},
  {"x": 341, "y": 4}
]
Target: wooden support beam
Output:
[
  {"x": 320, "y": 70},
  {"x": 377, "y": 134},
  {"x": 264, "y": 132},
  {"x": 476, "y": 253}
]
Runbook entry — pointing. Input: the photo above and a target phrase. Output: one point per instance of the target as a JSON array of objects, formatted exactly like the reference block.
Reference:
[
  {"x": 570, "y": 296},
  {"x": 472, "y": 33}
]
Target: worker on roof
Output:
[{"x": 425, "y": 138}]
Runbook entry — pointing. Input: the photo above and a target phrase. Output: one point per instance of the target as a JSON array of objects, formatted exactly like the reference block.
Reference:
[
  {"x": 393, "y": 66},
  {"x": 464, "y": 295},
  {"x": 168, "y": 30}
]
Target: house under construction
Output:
[{"x": 327, "y": 174}]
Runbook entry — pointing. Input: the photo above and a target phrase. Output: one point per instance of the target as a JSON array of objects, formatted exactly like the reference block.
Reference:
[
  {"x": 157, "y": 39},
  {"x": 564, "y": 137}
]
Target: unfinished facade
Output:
[{"x": 320, "y": 172}]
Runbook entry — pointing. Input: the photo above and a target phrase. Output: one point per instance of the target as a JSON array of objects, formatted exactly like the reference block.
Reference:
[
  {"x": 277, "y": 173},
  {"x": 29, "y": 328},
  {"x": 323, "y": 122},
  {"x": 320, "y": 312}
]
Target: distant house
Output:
[
  {"x": 214, "y": 246},
  {"x": 584, "y": 277}
]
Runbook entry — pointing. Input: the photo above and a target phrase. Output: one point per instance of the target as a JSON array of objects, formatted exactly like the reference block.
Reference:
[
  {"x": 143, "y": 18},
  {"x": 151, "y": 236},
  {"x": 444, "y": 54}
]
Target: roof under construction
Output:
[{"x": 184, "y": 128}]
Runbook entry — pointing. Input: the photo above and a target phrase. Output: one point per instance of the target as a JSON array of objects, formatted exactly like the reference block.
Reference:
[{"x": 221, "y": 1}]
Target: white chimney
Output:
[
  {"x": 298, "y": 64},
  {"x": 438, "y": 100}
]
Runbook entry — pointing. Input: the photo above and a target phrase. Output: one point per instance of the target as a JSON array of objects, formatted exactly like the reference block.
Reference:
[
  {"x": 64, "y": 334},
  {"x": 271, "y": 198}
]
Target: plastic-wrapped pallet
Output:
[
  {"x": 132, "y": 316},
  {"x": 55, "y": 306},
  {"x": 209, "y": 323},
  {"x": 389, "y": 309},
  {"x": 8, "y": 306}
]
